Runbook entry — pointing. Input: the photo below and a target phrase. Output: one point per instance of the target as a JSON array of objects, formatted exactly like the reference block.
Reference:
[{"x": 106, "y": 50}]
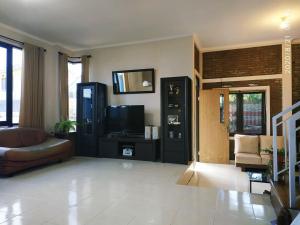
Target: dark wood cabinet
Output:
[
  {"x": 72, "y": 137},
  {"x": 143, "y": 149},
  {"x": 91, "y": 106},
  {"x": 176, "y": 117},
  {"x": 108, "y": 148}
]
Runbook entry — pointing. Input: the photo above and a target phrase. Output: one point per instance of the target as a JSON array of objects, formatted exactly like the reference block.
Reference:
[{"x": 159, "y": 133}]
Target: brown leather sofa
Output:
[{"x": 23, "y": 148}]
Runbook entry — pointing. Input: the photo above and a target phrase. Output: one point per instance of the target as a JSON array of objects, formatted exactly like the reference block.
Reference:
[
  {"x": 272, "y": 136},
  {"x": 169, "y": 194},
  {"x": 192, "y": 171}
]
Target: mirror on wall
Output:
[{"x": 133, "y": 81}]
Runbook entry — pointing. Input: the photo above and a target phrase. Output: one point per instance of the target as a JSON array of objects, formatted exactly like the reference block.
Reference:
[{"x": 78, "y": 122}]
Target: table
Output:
[{"x": 258, "y": 177}]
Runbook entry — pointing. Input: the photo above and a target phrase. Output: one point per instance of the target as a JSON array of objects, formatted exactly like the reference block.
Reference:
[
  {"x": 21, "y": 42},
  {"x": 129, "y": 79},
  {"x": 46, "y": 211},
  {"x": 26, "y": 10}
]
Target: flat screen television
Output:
[{"x": 125, "y": 119}]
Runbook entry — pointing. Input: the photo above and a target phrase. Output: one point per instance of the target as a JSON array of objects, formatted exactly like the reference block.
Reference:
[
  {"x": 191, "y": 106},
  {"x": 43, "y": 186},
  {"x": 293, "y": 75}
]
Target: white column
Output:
[{"x": 287, "y": 73}]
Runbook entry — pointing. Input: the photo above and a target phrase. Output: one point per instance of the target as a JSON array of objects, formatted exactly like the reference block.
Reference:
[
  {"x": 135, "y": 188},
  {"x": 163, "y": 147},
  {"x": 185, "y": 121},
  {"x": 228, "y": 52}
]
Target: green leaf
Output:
[{"x": 65, "y": 126}]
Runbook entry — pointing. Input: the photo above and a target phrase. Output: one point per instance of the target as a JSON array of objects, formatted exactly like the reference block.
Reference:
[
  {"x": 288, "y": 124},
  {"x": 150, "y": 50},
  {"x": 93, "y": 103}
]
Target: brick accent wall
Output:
[
  {"x": 275, "y": 92},
  {"x": 296, "y": 72},
  {"x": 266, "y": 60}
]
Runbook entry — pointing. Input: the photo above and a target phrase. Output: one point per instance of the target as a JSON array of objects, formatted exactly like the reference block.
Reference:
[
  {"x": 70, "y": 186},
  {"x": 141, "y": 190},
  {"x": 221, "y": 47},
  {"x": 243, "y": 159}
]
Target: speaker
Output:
[
  {"x": 147, "y": 132},
  {"x": 155, "y": 133}
]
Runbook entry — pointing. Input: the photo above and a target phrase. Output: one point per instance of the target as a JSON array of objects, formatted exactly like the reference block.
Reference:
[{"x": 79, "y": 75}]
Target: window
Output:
[
  {"x": 247, "y": 113},
  {"x": 74, "y": 77},
  {"x": 3, "y": 75},
  {"x": 11, "y": 59},
  {"x": 222, "y": 108},
  {"x": 17, "y": 72}
]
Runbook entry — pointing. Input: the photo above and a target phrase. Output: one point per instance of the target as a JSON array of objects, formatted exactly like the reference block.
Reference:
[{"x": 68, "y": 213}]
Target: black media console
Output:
[{"x": 136, "y": 148}]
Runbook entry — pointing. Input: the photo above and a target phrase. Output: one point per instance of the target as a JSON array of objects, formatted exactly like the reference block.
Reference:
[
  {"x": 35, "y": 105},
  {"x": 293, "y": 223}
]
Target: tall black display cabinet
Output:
[
  {"x": 91, "y": 106},
  {"x": 176, "y": 119}
]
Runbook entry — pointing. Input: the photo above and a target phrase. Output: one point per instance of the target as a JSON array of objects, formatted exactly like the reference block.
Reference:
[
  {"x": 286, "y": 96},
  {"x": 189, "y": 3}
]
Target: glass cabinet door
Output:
[{"x": 87, "y": 109}]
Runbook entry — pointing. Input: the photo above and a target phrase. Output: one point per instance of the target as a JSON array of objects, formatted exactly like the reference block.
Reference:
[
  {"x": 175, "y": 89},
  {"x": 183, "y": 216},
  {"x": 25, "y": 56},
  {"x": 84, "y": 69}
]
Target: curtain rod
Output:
[
  {"x": 10, "y": 39},
  {"x": 74, "y": 57},
  {"x": 16, "y": 41}
]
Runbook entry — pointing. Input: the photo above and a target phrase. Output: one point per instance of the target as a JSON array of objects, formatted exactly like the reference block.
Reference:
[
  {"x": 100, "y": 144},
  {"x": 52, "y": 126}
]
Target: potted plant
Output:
[
  {"x": 280, "y": 153},
  {"x": 280, "y": 158},
  {"x": 63, "y": 128}
]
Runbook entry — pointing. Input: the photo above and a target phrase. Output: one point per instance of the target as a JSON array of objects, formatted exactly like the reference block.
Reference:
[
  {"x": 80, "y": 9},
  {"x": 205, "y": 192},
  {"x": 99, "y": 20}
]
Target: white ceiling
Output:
[{"x": 83, "y": 24}]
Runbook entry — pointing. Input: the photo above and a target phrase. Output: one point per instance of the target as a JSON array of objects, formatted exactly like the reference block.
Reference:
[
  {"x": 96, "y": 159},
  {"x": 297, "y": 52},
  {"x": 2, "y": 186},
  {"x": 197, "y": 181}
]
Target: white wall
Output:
[
  {"x": 51, "y": 71},
  {"x": 168, "y": 58}
]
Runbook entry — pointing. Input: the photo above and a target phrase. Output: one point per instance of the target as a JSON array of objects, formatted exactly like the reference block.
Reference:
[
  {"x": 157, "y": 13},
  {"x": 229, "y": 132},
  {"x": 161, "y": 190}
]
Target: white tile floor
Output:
[
  {"x": 119, "y": 192},
  {"x": 221, "y": 176},
  {"x": 227, "y": 177}
]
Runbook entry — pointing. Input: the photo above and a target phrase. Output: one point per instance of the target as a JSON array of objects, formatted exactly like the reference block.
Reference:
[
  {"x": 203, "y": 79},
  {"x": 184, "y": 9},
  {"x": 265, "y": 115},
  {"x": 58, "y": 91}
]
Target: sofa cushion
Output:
[
  {"x": 21, "y": 137},
  {"x": 245, "y": 144},
  {"x": 10, "y": 138},
  {"x": 50, "y": 147},
  {"x": 266, "y": 142},
  {"x": 248, "y": 158},
  {"x": 32, "y": 136}
]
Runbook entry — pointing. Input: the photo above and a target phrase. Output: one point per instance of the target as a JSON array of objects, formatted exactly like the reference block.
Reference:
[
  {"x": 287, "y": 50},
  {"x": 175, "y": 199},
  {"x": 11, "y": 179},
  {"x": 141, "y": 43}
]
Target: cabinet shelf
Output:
[
  {"x": 176, "y": 139},
  {"x": 174, "y": 125},
  {"x": 176, "y": 119}
]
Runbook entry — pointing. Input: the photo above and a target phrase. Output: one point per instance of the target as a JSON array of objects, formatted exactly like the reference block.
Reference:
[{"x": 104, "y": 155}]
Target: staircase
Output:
[{"x": 285, "y": 186}]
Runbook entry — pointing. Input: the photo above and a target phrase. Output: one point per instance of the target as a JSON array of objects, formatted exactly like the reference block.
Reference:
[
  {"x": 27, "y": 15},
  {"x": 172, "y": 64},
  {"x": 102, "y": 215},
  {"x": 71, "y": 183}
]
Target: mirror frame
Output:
[{"x": 134, "y": 92}]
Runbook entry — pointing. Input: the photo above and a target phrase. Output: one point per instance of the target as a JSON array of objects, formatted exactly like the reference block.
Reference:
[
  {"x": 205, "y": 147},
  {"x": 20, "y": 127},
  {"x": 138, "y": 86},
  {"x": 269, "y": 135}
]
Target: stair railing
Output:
[
  {"x": 275, "y": 125},
  {"x": 292, "y": 137},
  {"x": 289, "y": 131}
]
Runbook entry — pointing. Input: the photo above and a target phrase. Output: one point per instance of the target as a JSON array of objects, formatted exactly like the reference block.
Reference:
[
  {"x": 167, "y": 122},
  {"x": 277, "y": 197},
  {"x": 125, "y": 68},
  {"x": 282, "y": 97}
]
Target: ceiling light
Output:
[
  {"x": 146, "y": 83},
  {"x": 284, "y": 24}
]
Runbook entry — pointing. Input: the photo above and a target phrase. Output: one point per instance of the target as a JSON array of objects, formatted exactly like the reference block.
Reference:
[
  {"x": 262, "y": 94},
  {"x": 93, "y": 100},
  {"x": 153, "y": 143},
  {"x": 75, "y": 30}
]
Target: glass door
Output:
[{"x": 87, "y": 109}]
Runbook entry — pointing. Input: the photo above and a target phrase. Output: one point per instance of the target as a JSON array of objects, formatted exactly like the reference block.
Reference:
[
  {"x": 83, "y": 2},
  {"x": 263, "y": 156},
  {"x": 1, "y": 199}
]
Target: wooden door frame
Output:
[
  {"x": 196, "y": 74},
  {"x": 195, "y": 124},
  {"x": 197, "y": 117}
]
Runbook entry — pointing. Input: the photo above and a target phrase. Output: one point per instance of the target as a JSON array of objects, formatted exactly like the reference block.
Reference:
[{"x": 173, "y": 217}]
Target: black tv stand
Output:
[
  {"x": 124, "y": 135},
  {"x": 142, "y": 149}
]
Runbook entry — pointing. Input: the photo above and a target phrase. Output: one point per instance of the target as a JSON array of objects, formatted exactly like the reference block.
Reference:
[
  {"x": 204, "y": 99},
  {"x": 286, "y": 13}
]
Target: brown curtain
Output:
[
  {"x": 63, "y": 86},
  {"x": 32, "y": 97},
  {"x": 85, "y": 62}
]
